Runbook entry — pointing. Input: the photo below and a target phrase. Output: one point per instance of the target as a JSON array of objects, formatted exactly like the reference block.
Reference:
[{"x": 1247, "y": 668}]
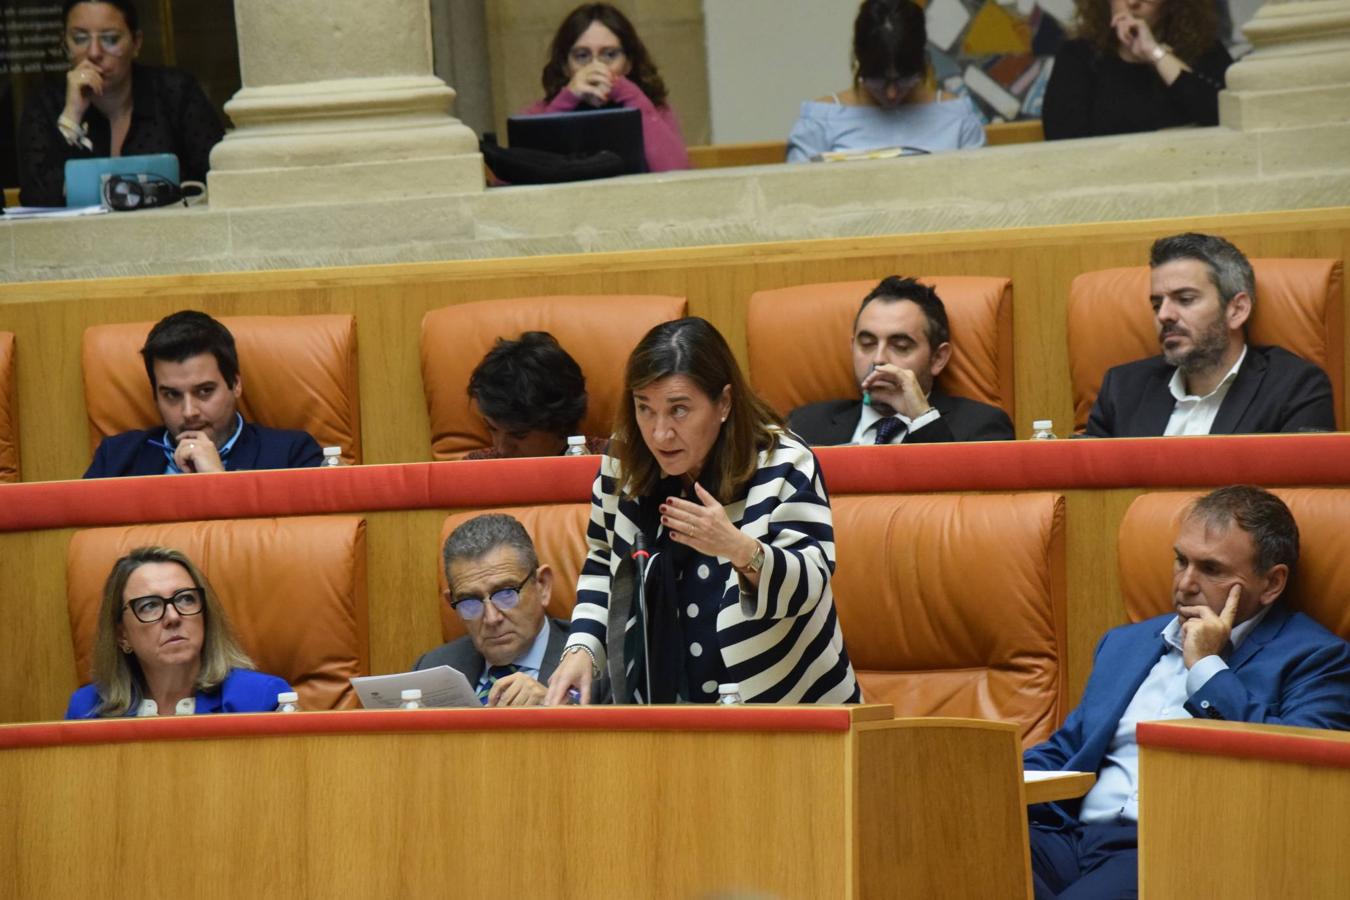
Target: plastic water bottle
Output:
[
  {"x": 576, "y": 445},
  {"x": 332, "y": 458},
  {"x": 411, "y": 698},
  {"x": 288, "y": 701},
  {"x": 1043, "y": 430},
  {"x": 729, "y": 695}
]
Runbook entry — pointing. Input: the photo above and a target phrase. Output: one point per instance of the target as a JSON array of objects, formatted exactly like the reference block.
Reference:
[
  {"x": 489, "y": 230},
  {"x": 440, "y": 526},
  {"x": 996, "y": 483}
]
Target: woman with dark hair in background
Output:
[
  {"x": 598, "y": 60},
  {"x": 111, "y": 105},
  {"x": 742, "y": 540},
  {"x": 163, "y": 646},
  {"x": 532, "y": 397},
  {"x": 1136, "y": 65},
  {"x": 893, "y": 101}
]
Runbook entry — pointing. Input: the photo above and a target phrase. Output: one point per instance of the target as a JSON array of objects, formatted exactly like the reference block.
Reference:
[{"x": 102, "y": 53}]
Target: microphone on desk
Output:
[{"x": 642, "y": 557}]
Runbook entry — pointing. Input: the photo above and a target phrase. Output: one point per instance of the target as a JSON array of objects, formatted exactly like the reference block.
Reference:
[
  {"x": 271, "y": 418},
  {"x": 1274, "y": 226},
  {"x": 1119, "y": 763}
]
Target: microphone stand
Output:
[{"x": 642, "y": 558}]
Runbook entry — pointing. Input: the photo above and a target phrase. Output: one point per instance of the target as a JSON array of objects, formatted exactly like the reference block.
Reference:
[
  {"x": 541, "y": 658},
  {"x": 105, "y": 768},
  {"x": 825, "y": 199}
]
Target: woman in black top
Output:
[
  {"x": 1136, "y": 65},
  {"x": 111, "y": 105}
]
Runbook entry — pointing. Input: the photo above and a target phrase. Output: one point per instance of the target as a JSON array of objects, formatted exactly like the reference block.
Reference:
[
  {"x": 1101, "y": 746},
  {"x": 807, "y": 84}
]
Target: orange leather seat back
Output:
[
  {"x": 1321, "y": 579},
  {"x": 9, "y": 411},
  {"x": 955, "y": 605},
  {"x": 1298, "y": 307},
  {"x": 950, "y": 605},
  {"x": 598, "y": 331},
  {"x": 298, "y": 372},
  {"x": 800, "y": 340},
  {"x": 559, "y": 535},
  {"x": 294, "y": 589}
]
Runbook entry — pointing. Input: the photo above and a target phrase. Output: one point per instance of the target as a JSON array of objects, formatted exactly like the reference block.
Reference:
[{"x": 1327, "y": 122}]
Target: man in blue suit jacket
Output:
[
  {"x": 1230, "y": 651},
  {"x": 193, "y": 368}
]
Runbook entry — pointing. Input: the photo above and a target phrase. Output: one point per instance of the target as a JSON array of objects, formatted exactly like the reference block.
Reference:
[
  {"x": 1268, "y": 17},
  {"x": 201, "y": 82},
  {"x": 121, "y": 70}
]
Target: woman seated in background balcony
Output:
[
  {"x": 111, "y": 105},
  {"x": 893, "y": 101},
  {"x": 597, "y": 60},
  {"x": 163, "y": 646},
  {"x": 1136, "y": 65}
]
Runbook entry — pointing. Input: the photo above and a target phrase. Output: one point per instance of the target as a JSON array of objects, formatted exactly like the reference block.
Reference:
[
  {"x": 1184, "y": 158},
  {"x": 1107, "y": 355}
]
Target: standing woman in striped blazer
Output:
[{"x": 734, "y": 510}]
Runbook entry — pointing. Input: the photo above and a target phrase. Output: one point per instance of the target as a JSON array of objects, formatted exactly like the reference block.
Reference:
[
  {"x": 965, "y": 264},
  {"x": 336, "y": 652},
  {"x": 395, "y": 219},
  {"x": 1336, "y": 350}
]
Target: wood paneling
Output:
[
  {"x": 1242, "y": 829},
  {"x": 389, "y": 301}
]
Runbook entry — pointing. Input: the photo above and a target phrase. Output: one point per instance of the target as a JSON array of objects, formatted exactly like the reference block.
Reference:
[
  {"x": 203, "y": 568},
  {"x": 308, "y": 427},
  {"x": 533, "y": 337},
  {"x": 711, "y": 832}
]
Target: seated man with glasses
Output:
[{"x": 500, "y": 591}]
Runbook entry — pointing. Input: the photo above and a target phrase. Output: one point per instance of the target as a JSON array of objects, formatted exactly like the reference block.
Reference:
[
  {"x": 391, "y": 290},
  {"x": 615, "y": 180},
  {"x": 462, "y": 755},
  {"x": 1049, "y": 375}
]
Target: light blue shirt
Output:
[
  {"x": 941, "y": 125},
  {"x": 529, "y": 662},
  {"x": 1115, "y": 796},
  {"x": 172, "y": 467}
]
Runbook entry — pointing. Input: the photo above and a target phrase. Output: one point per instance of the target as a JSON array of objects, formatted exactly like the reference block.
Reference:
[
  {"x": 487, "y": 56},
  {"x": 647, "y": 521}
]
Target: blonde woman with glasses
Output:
[{"x": 164, "y": 647}]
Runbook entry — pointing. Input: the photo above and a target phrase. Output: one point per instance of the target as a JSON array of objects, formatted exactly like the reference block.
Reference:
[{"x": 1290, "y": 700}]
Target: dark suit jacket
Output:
[
  {"x": 258, "y": 447},
  {"x": 1274, "y": 391},
  {"x": 834, "y": 421},
  {"x": 461, "y": 654},
  {"x": 1288, "y": 671}
]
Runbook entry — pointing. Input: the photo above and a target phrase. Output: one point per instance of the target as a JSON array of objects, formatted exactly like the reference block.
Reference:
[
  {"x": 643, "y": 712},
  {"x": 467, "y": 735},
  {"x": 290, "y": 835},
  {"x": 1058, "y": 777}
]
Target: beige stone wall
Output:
[{"x": 519, "y": 32}]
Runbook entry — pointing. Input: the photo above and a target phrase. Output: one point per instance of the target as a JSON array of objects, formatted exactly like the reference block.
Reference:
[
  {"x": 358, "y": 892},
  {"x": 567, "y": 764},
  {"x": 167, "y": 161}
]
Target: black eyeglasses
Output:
[
  {"x": 188, "y": 602},
  {"x": 470, "y": 608}
]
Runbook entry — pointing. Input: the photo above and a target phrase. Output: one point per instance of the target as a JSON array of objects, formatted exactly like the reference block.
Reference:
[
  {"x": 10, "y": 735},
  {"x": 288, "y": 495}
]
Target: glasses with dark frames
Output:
[
  {"x": 150, "y": 609},
  {"x": 470, "y": 608}
]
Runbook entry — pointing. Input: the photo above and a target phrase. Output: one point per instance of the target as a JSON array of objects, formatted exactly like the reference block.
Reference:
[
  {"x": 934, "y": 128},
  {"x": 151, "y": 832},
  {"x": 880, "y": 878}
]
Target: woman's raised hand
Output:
[{"x": 593, "y": 83}]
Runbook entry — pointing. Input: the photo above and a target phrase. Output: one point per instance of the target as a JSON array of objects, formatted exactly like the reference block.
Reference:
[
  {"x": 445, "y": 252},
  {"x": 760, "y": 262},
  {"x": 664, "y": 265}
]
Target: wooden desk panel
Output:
[
  {"x": 1243, "y": 812},
  {"x": 453, "y": 805}
]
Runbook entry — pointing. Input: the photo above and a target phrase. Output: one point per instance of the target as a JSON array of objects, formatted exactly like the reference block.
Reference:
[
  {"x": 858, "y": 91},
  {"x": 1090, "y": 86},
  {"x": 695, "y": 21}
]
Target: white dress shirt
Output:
[
  {"x": 1115, "y": 796},
  {"x": 865, "y": 433},
  {"x": 1195, "y": 415}
]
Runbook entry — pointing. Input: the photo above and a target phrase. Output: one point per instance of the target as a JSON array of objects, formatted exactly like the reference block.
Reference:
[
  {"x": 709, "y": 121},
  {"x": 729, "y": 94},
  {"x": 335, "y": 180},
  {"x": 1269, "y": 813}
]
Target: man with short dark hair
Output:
[
  {"x": 1230, "y": 651},
  {"x": 1208, "y": 380},
  {"x": 901, "y": 342},
  {"x": 500, "y": 591},
  {"x": 531, "y": 395},
  {"x": 193, "y": 369}
]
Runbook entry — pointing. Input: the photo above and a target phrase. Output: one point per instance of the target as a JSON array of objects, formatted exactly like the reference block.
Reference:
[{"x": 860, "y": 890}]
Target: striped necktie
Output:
[
  {"x": 888, "y": 429},
  {"x": 494, "y": 675}
]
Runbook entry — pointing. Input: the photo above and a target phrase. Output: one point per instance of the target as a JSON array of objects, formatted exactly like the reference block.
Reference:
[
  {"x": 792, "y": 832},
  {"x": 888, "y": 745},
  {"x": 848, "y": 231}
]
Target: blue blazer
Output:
[
  {"x": 258, "y": 447},
  {"x": 242, "y": 691},
  {"x": 1288, "y": 671}
]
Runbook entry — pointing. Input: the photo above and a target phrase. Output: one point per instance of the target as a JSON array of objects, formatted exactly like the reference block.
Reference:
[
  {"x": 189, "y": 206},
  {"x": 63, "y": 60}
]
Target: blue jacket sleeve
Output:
[{"x": 1315, "y": 695}]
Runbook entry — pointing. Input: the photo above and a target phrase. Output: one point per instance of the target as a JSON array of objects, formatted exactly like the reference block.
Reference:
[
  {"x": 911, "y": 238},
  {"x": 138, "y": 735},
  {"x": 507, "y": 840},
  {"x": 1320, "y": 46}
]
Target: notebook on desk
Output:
[
  {"x": 582, "y": 132},
  {"x": 84, "y": 177}
]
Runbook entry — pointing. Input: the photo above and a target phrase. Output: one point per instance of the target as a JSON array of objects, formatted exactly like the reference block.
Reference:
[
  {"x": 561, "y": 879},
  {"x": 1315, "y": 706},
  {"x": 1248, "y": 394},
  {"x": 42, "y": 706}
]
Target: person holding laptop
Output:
[
  {"x": 597, "y": 60},
  {"x": 110, "y": 105}
]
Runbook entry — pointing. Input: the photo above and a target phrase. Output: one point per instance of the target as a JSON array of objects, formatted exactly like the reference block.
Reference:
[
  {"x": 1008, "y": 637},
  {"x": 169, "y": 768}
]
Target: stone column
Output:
[
  {"x": 339, "y": 104},
  {"x": 1298, "y": 73}
]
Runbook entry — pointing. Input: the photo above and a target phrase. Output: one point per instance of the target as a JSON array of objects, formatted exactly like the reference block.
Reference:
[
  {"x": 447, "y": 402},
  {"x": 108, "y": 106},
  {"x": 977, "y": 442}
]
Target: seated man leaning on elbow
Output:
[
  {"x": 901, "y": 342},
  {"x": 1230, "y": 651},
  {"x": 193, "y": 368},
  {"x": 1208, "y": 380},
  {"x": 497, "y": 586}
]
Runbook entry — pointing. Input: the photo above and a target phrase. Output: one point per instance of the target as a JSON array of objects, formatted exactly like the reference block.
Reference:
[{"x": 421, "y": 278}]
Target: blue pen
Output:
[{"x": 573, "y": 696}]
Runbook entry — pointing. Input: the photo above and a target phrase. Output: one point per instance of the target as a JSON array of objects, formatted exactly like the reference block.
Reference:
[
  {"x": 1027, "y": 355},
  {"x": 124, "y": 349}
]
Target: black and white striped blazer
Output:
[{"x": 782, "y": 643}]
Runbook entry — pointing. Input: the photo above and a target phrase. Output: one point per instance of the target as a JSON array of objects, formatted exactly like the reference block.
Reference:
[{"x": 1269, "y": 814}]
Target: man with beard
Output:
[{"x": 1208, "y": 380}]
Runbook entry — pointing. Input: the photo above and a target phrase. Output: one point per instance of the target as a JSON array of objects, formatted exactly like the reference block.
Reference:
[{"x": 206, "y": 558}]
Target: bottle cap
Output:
[
  {"x": 287, "y": 697},
  {"x": 731, "y": 687},
  {"x": 411, "y": 694},
  {"x": 576, "y": 440},
  {"x": 332, "y": 451},
  {"x": 1042, "y": 425}
]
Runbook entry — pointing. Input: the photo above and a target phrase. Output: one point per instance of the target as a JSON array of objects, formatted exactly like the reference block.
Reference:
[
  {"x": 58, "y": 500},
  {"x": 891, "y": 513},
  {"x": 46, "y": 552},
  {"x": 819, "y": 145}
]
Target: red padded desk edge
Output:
[
  {"x": 658, "y": 718},
  {"x": 1303, "y": 745},
  {"x": 1271, "y": 460}
]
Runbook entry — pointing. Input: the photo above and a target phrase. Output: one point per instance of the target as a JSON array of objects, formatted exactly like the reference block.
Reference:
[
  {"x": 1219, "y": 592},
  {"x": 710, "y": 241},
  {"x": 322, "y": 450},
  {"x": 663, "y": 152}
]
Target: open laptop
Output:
[
  {"x": 583, "y": 131},
  {"x": 84, "y": 177}
]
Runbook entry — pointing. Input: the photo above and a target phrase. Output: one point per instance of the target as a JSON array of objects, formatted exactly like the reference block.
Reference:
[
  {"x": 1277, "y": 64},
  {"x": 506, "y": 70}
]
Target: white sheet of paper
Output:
[
  {"x": 441, "y": 687},
  {"x": 52, "y": 212},
  {"x": 1028, "y": 777}
]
